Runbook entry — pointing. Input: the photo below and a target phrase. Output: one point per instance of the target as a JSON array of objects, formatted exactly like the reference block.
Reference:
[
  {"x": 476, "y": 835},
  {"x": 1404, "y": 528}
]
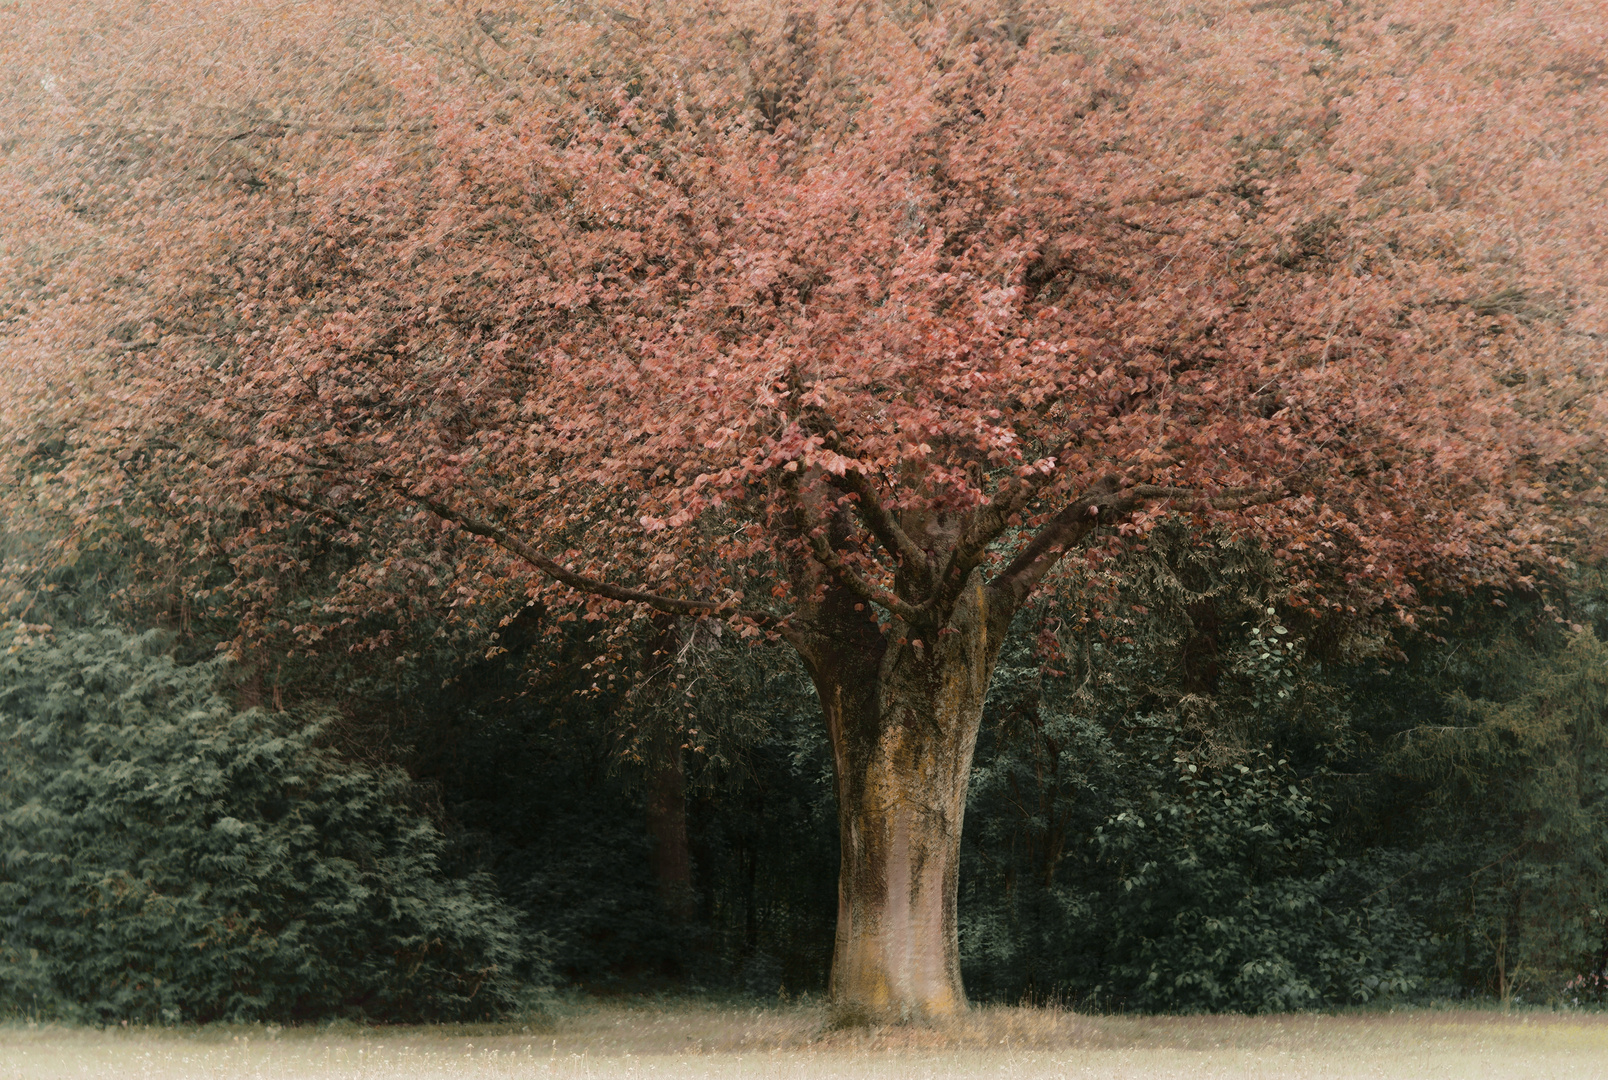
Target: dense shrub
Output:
[
  {"x": 165, "y": 856},
  {"x": 1112, "y": 862},
  {"x": 1203, "y": 812},
  {"x": 1228, "y": 893},
  {"x": 1153, "y": 823}
]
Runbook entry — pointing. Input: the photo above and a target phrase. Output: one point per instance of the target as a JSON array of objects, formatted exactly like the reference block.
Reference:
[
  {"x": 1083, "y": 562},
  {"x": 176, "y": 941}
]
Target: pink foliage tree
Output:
[{"x": 845, "y": 323}]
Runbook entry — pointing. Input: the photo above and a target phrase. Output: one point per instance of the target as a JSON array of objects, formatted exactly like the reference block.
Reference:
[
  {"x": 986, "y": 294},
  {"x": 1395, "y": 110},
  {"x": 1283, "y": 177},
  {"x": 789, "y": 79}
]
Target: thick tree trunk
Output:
[{"x": 903, "y": 718}]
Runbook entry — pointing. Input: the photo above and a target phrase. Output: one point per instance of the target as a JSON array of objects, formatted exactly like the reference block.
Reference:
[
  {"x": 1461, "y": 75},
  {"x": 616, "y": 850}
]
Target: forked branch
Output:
[
  {"x": 1058, "y": 536},
  {"x": 983, "y": 528},
  {"x": 1103, "y": 502},
  {"x": 820, "y": 547},
  {"x": 869, "y": 508},
  {"x": 868, "y": 505}
]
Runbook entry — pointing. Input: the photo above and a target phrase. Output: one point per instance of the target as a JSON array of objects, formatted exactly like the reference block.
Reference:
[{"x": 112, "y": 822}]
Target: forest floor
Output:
[{"x": 674, "y": 1039}]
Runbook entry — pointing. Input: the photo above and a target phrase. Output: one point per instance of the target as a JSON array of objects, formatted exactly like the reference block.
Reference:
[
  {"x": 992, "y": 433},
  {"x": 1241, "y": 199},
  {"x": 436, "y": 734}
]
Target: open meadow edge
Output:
[{"x": 683, "y": 1039}]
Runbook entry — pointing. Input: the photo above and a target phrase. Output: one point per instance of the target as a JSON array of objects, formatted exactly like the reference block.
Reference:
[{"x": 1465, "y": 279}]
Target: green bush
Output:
[
  {"x": 1149, "y": 825},
  {"x": 1145, "y": 881},
  {"x": 1227, "y": 893},
  {"x": 166, "y": 857}
]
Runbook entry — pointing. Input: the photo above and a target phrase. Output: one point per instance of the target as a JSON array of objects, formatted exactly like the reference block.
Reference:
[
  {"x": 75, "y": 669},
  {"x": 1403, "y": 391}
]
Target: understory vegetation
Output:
[
  {"x": 1184, "y": 800},
  {"x": 170, "y": 857}
]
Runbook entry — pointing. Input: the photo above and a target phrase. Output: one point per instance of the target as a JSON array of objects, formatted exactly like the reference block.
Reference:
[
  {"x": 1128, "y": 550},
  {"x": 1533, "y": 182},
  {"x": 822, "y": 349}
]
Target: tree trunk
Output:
[
  {"x": 903, "y": 716},
  {"x": 669, "y": 856}
]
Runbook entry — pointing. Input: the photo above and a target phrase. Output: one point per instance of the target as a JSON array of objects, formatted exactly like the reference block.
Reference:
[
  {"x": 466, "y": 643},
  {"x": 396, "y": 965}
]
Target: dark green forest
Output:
[{"x": 1185, "y": 798}]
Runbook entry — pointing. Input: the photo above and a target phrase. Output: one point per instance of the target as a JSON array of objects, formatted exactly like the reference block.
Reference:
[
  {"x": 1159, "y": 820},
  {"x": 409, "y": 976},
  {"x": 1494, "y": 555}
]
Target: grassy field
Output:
[{"x": 683, "y": 1039}]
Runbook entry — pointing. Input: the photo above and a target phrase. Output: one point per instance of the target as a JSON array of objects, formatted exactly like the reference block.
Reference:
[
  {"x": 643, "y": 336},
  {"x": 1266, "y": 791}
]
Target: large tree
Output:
[{"x": 843, "y": 324}]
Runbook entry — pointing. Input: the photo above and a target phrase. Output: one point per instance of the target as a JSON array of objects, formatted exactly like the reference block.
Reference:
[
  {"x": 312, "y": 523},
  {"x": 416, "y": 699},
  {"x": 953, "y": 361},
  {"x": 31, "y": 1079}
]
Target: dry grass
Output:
[{"x": 682, "y": 1039}]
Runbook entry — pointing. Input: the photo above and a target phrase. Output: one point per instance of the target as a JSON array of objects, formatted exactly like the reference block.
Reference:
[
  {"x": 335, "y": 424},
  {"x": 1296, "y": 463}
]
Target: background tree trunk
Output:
[{"x": 669, "y": 856}]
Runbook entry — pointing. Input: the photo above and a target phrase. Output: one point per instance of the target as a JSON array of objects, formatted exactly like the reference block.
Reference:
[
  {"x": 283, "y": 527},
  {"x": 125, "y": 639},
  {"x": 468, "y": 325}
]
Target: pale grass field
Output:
[{"x": 665, "y": 1042}]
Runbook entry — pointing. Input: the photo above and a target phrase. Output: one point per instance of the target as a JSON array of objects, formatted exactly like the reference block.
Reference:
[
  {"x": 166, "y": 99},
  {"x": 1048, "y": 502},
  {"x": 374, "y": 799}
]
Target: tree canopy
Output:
[{"x": 662, "y": 300}]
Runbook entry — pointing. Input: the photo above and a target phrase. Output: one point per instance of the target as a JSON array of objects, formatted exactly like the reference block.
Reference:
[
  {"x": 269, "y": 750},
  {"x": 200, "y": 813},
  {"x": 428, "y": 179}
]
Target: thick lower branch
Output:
[
  {"x": 308, "y": 506},
  {"x": 829, "y": 557},
  {"x": 986, "y": 526},
  {"x": 580, "y": 582},
  {"x": 820, "y": 547},
  {"x": 868, "y": 506},
  {"x": 1105, "y": 502}
]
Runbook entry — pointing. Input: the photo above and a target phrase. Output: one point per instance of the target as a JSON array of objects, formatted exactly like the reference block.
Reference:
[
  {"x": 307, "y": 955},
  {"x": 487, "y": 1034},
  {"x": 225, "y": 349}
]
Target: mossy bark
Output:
[{"x": 903, "y": 715}]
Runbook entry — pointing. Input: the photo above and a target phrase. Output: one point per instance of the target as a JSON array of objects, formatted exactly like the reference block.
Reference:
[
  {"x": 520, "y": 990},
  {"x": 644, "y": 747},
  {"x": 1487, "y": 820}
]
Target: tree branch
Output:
[
  {"x": 868, "y": 506},
  {"x": 983, "y": 528},
  {"x": 1230, "y": 499},
  {"x": 580, "y": 582},
  {"x": 1104, "y": 501},
  {"x": 312, "y": 508},
  {"x": 883, "y": 525},
  {"x": 1058, "y": 536},
  {"x": 553, "y": 569},
  {"x": 828, "y": 556}
]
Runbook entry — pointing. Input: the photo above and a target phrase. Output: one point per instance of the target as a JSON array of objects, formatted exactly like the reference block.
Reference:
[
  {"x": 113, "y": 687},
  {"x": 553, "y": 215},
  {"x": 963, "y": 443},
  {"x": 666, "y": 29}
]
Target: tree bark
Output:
[
  {"x": 903, "y": 716},
  {"x": 669, "y": 856}
]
